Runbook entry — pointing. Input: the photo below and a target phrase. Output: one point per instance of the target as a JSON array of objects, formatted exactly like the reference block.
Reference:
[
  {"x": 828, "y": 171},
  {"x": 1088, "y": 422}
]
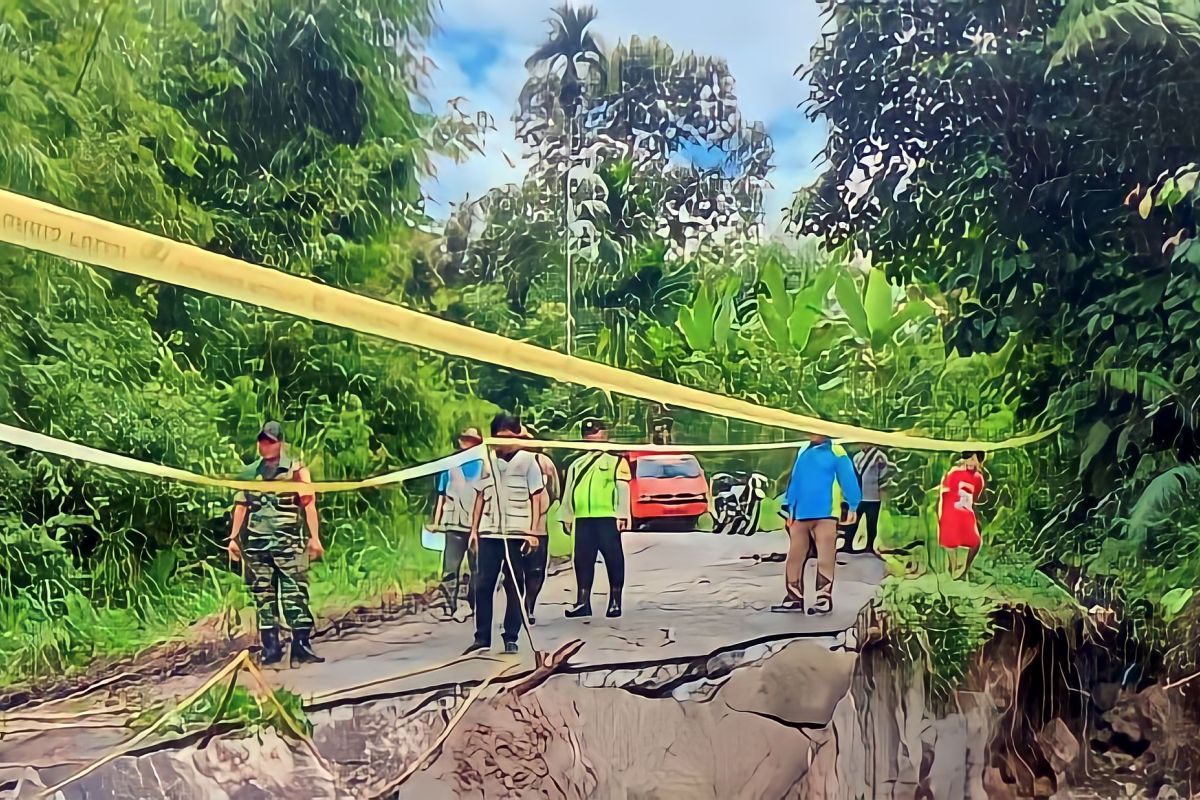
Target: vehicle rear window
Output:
[{"x": 674, "y": 468}]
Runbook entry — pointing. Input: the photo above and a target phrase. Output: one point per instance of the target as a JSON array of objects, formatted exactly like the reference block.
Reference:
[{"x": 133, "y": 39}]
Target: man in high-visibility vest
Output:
[{"x": 595, "y": 509}]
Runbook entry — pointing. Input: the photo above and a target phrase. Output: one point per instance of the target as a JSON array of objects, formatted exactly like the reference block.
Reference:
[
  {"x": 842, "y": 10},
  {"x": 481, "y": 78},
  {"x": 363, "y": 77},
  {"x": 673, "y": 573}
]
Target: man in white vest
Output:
[{"x": 509, "y": 512}]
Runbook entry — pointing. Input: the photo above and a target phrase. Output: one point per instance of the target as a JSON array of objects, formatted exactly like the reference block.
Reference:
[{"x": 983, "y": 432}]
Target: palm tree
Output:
[{"x": 569, "y": 46}]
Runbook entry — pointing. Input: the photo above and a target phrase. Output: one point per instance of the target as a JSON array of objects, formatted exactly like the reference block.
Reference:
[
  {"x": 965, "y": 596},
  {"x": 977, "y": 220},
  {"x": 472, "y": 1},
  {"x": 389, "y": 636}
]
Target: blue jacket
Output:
[{"x": 823, "y": 478}]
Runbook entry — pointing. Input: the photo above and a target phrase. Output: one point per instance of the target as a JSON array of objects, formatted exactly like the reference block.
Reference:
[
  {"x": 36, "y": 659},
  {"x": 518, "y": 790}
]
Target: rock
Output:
[
  {"x": 802, "y": 684},
  {"x": 1060, "y": 745},
  {"x": 996, "y": 787}
]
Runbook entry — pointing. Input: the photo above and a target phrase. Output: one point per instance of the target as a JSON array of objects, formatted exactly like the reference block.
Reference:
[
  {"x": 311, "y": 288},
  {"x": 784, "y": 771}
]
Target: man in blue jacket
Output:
[{"x": 822, "y": 479}]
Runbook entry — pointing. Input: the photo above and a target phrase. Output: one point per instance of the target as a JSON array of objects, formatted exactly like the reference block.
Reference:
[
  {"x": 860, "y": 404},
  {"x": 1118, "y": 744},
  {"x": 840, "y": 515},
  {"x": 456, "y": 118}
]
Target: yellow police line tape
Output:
[
  {"x": 79, "y": 452},
  {"x": 41, "y": 226}
]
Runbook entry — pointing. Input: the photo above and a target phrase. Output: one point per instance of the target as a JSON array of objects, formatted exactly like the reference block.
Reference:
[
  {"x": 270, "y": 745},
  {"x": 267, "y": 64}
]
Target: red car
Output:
[{"x": 668, "y": 490}]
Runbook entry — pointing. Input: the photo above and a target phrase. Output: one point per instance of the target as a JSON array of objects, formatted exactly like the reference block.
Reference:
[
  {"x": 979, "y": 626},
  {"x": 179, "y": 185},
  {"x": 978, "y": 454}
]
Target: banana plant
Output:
[
  {"x": 707, "y": 323},
  {"x": 791, "y": 318},
  {"x": 871, "y": 312}
]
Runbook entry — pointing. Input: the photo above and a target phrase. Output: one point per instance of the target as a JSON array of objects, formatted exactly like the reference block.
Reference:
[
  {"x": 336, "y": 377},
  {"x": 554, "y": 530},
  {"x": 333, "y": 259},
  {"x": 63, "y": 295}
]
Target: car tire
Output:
[{"x": 684, "y": 523}]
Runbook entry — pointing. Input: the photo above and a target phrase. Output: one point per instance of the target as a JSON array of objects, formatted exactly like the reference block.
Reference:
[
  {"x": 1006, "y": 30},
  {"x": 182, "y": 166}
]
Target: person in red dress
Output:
[{"x": 957, "y": 525}]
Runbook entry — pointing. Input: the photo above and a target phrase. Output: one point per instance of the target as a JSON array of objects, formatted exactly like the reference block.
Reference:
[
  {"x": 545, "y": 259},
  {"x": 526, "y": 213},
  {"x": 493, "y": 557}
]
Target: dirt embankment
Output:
[{"x": 1041, "y": 713}]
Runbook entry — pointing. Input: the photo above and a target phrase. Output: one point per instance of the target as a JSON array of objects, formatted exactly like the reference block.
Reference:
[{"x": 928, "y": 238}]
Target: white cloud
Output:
[{"x": 763, "y": 41}]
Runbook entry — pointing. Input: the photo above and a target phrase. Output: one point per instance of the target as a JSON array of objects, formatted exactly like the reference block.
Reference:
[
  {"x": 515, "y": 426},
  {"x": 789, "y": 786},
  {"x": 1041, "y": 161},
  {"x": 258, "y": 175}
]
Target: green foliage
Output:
[
  {"x": 287, "y": 133},
  {"x": 1094, "y": 27},
  {"x": 1065, "y": 247},
  {"x": 235, "y": 705},
  {"x": 938, "y": 624},
  {"x": 991, "y": 263}
]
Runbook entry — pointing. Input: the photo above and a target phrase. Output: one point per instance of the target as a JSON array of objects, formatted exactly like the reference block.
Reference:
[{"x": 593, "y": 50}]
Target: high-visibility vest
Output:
[{"x": 593, "y": 481}]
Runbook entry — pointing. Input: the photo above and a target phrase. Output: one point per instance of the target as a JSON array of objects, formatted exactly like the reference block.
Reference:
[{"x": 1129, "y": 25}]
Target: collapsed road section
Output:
[{"x": 698, "y": 691}]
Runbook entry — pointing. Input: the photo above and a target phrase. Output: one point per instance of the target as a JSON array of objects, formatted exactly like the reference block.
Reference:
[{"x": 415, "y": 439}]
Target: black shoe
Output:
[
  {"x": 272, "y": 651},
  {"x": 510, "y": 648},
  {"x": 614, "y": 610},
  {"x": 584, "y": 610},
  {"x": 788, "y": 605},
  {"x": 477, "y": 647},
  {"x": 302, "y": 652},
  {"x": 532, "y": 620}
]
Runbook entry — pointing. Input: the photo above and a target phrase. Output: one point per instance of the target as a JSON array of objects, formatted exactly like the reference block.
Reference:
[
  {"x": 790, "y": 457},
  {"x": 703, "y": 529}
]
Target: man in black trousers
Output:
[{"x": 595, "y": 508}]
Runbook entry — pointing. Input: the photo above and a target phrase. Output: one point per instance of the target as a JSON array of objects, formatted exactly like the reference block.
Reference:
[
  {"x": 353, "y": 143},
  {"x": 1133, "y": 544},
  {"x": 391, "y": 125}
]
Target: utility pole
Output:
[{"x": 567, "y": 205}]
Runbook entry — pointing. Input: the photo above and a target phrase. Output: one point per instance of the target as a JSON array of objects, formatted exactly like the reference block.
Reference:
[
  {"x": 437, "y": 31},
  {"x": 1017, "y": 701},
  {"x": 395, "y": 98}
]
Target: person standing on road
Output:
[
  {"x": 958, "y": 526},
  {"x": 456, "y": 489},
  {"x": 822, "y": 476},
  {"x": 872, "y": 465},
  {"x": 595, "y": 508},
  {"x": 509, "y": 508},
  {"x": 275, "y": 555},
  {"x": 536, "y": 559}
]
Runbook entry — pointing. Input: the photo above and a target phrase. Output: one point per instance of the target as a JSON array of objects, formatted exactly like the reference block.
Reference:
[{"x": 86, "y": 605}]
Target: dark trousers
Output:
[
  {"x": 498, "y": 557},
  {"x": 598, "y": 536},
  {"x": 452, "y": 558},
  {"x": 868, "y": 510},
  {"x": 533, "y": 564}
]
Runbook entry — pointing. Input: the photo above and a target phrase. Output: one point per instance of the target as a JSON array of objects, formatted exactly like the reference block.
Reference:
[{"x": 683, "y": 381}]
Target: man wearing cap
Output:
[
  {"x": 595, "y": 508},
  {"x": 275, "y": 553},
  {"x": 509, "y": 509},
  {"x": 456, "y": 489}
]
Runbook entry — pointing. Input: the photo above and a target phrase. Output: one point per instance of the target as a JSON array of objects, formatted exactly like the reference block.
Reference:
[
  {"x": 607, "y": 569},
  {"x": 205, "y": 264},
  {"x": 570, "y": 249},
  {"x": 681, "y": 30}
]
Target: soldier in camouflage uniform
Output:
[{"x": 274, "y": 554}]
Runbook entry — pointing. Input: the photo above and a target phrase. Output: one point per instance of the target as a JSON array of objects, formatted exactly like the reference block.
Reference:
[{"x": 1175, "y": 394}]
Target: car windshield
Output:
[{"x": 662, "y": 468}]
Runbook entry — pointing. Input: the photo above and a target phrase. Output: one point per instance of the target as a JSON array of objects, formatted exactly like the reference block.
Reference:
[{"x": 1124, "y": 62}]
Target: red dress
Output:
[{"x": 957, "y": 526}]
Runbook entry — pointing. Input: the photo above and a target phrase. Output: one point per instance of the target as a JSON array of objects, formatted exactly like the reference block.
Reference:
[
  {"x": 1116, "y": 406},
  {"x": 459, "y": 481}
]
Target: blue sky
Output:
[{"x": 481, "y": 47}]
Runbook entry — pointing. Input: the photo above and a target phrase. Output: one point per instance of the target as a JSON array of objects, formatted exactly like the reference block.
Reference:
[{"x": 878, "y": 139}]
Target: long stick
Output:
[{"x": 324, "y": 696}]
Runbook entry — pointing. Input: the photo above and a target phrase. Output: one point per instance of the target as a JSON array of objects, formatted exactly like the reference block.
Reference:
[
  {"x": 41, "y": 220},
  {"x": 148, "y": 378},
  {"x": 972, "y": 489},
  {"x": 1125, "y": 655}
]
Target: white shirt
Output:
[
  {"x": 508, "y": 486},
  {"x": 459, "y": 493}
]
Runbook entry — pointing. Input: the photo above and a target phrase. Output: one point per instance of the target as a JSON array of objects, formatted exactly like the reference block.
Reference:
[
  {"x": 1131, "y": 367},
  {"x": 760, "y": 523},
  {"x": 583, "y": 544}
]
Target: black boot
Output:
[
  {"x": 272, "y": 652},
  {"x": 583, "y": 606},
  {"x": 302, "y": 652},
  {"x": 614, "y": 604}
]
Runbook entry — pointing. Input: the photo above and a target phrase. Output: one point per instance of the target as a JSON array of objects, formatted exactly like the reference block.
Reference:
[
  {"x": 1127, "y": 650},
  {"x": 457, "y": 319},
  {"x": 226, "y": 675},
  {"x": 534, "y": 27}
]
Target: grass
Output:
[
  {"x": 367, "y": 558},
  {"x": 231, "y": 705},
  {"x": 38, "y": 643},
  {"x": 938, "y": 623}
]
